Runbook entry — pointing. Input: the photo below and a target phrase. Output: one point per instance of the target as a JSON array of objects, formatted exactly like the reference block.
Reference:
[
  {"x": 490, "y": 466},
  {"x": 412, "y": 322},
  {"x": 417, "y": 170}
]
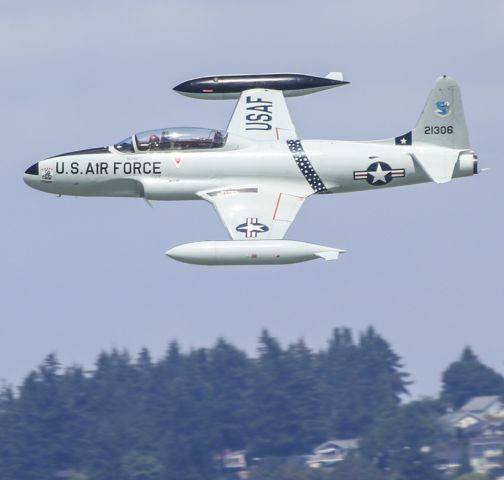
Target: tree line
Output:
[{"x": 136, "y": 418}]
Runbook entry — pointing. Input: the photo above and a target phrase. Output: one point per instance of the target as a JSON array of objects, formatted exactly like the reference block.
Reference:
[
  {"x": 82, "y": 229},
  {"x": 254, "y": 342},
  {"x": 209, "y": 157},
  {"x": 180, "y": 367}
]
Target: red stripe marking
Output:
[{"x": 276, "y": 208}]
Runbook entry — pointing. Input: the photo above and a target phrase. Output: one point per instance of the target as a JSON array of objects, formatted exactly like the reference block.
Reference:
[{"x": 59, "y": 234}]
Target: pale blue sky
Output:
[{"x": 424, "y": 264}]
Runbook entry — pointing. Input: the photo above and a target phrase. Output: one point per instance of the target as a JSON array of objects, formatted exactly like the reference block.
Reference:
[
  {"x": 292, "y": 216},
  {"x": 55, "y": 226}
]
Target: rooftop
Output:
[{"x": 479, "y": 404}]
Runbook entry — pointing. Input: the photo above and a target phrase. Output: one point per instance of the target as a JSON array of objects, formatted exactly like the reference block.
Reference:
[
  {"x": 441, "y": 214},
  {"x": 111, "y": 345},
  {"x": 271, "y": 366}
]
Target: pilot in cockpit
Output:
[
  {"x": 218, "y": 139},
  {"x": 153, "y": 142}
]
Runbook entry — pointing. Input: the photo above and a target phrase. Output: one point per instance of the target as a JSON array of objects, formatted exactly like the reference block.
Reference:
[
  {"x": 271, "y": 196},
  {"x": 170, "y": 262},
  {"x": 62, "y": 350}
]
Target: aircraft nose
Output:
[
  {"x": 33, "y": 170},
  {"x": 31, "y": 175}
]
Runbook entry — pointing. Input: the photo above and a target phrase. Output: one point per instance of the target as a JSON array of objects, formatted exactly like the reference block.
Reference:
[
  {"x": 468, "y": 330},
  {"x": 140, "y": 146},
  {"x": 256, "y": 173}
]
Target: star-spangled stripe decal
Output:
[{"x": 305, "y": 166}]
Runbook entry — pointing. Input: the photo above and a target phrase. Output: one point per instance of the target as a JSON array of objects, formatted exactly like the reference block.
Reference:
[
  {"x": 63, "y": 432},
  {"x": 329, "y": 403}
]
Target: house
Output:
[
  {"x": 489, "y": 405},
  {"x": 331, "y": 452},
  {"x": 468, "y": 423},
  {"x": 233, "y": 464},
  {"x": 234, "y": 459}
]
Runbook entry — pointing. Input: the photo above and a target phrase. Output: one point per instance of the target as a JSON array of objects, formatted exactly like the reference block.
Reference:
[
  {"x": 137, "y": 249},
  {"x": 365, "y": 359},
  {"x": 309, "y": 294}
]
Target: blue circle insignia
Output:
[
  {"x": 379, "y": 173},
  {"x": 252, "y": 227}
]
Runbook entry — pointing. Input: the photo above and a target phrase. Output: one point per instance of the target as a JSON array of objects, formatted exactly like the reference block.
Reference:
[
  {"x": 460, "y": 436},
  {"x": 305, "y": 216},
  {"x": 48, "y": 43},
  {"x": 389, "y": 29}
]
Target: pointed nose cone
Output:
[
  {"x": 188, "y": 89},
  {"x": 31, "y": 174},
  {"x": 33, "y": 170},
  {"x": 182, "y": 87}
]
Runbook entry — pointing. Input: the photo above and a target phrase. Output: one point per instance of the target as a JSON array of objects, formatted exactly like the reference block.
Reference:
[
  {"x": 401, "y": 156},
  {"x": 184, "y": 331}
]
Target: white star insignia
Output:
[
  {"x": 251, "y": 228},
  {"x": 379, "y": 174}
]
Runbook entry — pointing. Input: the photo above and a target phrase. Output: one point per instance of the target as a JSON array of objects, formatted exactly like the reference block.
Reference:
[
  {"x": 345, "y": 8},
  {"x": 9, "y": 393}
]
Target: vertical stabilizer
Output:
[{"x": 442, "y": 121}]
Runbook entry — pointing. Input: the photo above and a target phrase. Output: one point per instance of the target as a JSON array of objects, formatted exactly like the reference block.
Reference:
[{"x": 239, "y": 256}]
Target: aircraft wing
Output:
[
  {"x": 262, "y": 114},
  {"x": 255, "y": 212}
]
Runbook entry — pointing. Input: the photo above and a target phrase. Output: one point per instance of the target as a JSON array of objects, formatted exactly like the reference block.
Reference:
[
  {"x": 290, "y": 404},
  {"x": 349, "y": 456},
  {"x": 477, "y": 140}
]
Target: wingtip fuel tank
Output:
[
  {"x": 227, "y": 87},
  {"x": 251, "y": 252}
]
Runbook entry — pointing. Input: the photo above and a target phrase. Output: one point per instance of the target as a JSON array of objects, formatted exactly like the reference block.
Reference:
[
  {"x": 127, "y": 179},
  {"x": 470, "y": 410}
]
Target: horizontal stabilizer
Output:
[{"x": 439, "y": 167}]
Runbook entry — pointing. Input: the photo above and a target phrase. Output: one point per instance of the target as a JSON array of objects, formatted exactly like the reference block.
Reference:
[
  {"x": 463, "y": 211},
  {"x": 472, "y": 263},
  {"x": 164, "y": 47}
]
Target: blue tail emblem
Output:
[{"x": 442, "y": 108}]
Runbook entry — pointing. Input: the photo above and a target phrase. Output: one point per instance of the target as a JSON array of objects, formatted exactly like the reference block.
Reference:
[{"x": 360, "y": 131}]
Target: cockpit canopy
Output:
[{"x": 180, "y": 138}]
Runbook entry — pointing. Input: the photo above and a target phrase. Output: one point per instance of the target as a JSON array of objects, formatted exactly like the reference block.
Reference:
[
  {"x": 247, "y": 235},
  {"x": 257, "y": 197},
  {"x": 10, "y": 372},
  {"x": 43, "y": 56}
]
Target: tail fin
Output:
[
  {"x": 442, "y": 124},
  {"x": 442, "y": 121},
  {"x": 335, "y": 76}
]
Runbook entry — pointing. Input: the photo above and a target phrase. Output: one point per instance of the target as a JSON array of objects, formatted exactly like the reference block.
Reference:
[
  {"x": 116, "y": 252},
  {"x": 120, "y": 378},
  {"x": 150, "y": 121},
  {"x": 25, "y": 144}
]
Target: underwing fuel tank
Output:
[
  {"x": 226, "y": 87},
  {"x": 251, "y": 252}
]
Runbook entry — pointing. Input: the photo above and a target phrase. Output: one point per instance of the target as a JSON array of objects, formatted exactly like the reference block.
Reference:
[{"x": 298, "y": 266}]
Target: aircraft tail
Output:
[{"x": 442, "y": 121}]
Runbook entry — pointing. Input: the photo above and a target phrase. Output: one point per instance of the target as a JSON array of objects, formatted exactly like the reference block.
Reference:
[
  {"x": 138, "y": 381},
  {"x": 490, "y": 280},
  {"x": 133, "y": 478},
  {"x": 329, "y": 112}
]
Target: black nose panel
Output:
[{"x": 33, "y": 170}]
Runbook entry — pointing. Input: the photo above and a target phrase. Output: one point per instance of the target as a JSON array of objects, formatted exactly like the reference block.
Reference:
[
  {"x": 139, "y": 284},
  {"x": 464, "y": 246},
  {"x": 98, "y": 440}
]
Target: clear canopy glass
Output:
[
  {"x": 125, "y": 145},
  {"x": 180, "y": 138}
]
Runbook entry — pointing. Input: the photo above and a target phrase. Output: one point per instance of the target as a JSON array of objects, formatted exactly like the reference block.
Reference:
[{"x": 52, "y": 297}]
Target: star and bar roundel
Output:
[
  {"x": 379, "y": 173},
  {"x": 252, "y": 227}
]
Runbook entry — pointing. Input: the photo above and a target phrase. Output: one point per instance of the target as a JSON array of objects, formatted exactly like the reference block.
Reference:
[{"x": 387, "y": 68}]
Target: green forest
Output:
[{"x": 133, "y": 417}]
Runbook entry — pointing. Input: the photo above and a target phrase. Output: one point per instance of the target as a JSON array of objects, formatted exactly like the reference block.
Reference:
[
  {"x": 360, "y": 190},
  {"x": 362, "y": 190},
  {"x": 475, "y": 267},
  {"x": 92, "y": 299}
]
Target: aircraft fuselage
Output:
[{"x": 185, "y": 174}]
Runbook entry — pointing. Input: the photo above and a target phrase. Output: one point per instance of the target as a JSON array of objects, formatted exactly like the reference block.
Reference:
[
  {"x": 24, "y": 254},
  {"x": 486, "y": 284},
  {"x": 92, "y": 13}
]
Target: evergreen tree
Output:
[
  {"x": 303, "y": 388},
  {"x": 268, "y": 401},
  {"x": 278, "y": 469},
  {"x": 362, "y": 381},
  {"x": 338, "y": 365},
  {"x": 187, "y": 437},
  {"x": 167, "y": 420},
  {"x": 115, "y": 426},
  {"x": 357, "y": 467},
  {"x": 467, "y": 378},
  {"x": 285, "y": 401},
  {"x": 229, "y": 375},
  {"x": 378, "y": 361},
  {"x": 11, "y": 445},
  {"x": 401, "y": 442},
  {"x": 137, "y": 466},
  {"x": 36, "y": 421}
]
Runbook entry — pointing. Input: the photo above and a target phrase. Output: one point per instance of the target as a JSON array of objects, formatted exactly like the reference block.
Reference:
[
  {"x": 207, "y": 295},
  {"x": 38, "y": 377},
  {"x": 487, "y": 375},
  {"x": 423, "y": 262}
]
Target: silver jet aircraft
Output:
[{"x": 258, "y": 172}]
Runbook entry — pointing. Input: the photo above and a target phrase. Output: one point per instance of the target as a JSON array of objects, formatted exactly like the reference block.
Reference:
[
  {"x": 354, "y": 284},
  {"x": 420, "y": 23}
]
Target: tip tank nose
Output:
[{"x": 251, "y": 252}]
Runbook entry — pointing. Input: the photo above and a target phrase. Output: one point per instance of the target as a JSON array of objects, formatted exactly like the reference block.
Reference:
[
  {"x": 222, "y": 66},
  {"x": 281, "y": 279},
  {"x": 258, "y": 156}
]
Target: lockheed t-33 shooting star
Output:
[{"x": 258, "y": 172}]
